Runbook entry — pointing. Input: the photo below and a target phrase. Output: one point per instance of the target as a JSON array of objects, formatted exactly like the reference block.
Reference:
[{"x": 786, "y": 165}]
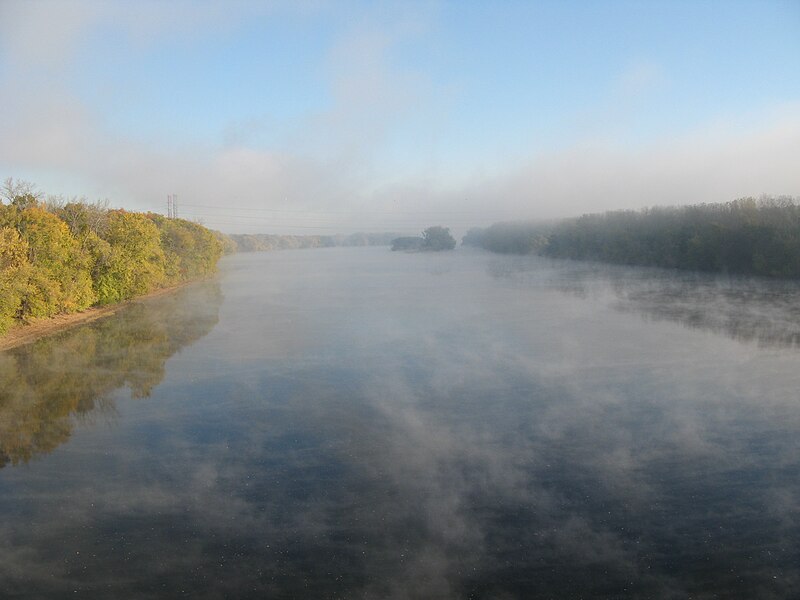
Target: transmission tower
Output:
[{"x": 172, "y": 206}]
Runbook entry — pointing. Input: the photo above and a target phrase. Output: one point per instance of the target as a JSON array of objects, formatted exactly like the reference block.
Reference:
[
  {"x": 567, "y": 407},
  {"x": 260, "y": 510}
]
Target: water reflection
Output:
[
  {"x": 766, "y": 312},
  {"x": 364, "y": 425},
  {"x": 48, "y": 385}
]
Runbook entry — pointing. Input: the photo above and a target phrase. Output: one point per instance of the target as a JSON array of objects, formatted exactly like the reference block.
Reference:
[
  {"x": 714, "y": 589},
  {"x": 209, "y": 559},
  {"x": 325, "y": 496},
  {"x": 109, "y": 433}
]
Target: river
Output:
[{"x": 357, "y": 423}]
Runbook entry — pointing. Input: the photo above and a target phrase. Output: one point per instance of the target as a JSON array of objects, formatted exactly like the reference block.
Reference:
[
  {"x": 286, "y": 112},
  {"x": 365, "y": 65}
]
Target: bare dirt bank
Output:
[{"x": 39, "y": 328}]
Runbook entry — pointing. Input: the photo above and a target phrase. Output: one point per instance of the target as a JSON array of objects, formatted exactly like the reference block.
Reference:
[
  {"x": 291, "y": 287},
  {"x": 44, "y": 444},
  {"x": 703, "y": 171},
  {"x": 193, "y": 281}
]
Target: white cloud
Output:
[
  {"x": 330, "y": 163},
  {"x": 715, "y": 163},
  {"x": 47, "y": 32}
]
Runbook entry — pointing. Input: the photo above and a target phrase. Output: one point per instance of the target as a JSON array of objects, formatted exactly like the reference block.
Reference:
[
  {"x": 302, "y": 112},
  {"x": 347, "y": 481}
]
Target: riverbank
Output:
[{"x": 27, "y": 333}]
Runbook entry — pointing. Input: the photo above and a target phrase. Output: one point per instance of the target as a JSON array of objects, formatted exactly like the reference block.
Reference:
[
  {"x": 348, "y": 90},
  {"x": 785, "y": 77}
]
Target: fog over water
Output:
[{"x": 361, "y": 423}]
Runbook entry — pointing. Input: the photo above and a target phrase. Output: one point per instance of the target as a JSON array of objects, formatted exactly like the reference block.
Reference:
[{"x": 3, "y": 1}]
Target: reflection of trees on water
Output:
[
  {"x": 746, "y": 309},
  {"x": 46, "y": 385}
]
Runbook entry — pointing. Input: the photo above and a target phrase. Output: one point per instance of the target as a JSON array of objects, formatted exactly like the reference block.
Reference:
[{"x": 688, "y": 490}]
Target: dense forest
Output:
[
  {"x": 745, "y": 236},
  {"x": 60, "y": 256}
]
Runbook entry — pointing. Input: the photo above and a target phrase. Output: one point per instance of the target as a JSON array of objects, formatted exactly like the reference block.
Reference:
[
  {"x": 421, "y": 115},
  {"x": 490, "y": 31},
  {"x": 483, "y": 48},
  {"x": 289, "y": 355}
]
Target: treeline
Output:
[
  {"x": 62, "y": 257},
  {"x": 745, "y": 236},
  {"x": 262, "y": 242}
]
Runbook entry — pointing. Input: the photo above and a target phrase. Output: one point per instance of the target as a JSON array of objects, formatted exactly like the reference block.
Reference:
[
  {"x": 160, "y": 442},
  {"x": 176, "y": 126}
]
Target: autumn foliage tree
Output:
[
  {"x": 61, "y": 258},
  {"x": 133, "y": 263},
  {"x": 14, "y": 274}
]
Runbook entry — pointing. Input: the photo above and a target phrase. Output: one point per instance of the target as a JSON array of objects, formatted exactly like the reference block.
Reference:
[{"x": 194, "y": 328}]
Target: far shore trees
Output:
[
  {"x": 407, "y": 243},
  {"x": 745, "y": 236},
  {"x": 267, "y": 242}
]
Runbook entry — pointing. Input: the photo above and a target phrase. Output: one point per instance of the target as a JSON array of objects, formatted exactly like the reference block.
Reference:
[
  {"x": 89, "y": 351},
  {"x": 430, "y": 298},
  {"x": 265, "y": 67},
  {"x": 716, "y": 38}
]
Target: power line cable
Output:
[{"x": 350, "y": 211}]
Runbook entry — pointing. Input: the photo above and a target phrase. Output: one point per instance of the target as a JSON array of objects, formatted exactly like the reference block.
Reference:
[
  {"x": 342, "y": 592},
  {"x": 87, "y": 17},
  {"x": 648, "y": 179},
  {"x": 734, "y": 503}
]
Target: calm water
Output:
[{"x": 357, "y": 423}]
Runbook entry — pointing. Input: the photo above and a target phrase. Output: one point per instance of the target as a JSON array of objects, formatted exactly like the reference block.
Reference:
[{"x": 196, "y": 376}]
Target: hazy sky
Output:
[{"x": 316, "y": 117}]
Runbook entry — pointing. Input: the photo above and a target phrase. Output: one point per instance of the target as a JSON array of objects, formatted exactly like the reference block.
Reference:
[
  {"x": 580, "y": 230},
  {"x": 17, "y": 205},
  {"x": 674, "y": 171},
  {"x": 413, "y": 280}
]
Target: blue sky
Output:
[{"x": 335, "y": 116}]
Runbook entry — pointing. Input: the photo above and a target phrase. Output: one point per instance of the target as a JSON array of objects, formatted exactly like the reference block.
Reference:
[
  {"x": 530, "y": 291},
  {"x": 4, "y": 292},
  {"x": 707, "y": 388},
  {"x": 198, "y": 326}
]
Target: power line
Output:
[
  {"x": 326, "y": 220},
  {"x": 312, "y": 220},
  {"x": 317, "y": 227},
  {"x": 350, "y": 211}
]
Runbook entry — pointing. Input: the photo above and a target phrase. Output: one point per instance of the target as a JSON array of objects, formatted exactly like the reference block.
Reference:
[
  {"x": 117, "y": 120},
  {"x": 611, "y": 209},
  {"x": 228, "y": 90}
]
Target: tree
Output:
[
  {"x": 190, "y": 249},
  {"x": 14, "y": 275},
  {"x": 60, "y": 256},
  {"x": 58, "y": 279},
  {"x": 437, "y": 238},
  {"x": 134, "y": 262},
  {"x": 82, "y": 217},
  {"x": 22, "y": 194}
]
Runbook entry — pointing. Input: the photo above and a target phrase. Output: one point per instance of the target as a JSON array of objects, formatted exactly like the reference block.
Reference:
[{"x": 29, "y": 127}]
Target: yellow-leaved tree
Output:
[
  {"x": 58, "y": 278},
  {"x": 14, "y": 275},
  {"x": 132, "y": 262}
]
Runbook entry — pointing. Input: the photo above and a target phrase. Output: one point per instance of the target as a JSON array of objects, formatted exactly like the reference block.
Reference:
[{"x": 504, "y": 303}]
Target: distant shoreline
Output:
[
  {"x": 759, "y": 238},
  {"x": 23, "y": 334}
]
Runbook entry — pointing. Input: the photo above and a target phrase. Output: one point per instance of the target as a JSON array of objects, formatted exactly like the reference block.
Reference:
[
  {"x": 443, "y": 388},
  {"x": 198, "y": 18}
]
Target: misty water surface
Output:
[{"x": 360, "y": 423}]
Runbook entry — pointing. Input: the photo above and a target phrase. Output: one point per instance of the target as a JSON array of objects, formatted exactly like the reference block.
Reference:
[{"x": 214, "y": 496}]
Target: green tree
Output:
[
  {"x": 746, "y": 236},
  {"x": 58, "y": 278},
  {"x": 60, "y": 257},
  {"x": 133, "y": 263},
  {"x": 14, "y": 275},
  {"x": 190, "y": 250},
  {"x": 437, "y": 238}
]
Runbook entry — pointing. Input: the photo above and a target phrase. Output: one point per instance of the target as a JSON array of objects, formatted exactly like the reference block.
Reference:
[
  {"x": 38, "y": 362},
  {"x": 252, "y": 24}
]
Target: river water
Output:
[{"x": 357, "y": 423}]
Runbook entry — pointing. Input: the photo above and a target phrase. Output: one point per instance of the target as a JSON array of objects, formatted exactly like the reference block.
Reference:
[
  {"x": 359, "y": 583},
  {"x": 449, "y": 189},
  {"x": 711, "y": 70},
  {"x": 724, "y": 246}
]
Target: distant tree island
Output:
[{"x": 433, "y": 239}]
